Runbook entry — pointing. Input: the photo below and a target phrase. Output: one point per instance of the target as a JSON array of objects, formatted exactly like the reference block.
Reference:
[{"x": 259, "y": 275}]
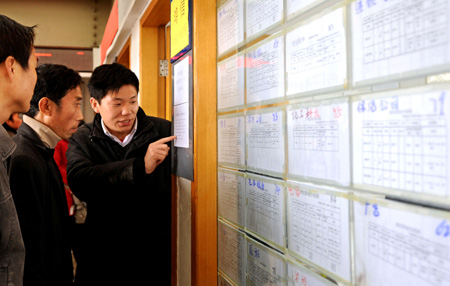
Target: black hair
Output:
[
  {"x": 53, "y": 82},
  {"x": 16, "y": 40},
  {"x": 110, "y": 77}
]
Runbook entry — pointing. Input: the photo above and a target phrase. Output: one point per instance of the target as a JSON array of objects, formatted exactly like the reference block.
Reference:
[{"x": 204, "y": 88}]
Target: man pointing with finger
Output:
[{"x": 118, "y": 165}]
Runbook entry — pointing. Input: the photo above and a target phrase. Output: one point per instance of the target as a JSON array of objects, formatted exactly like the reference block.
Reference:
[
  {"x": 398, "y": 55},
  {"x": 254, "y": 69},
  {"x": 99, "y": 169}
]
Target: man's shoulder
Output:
[
  {"x": 83, "y": 131},
  {"x": 160, "y": 122}
]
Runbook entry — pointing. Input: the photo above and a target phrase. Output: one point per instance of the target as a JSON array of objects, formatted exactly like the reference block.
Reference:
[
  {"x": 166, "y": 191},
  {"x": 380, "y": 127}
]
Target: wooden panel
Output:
[
  {"x": 168, "y": 79},
  {"x": 149, "y": 70},
  {"x": 204, "y": 190},
  {"x": 161, "y": 79},
  {"x": 157, "y": 14}
]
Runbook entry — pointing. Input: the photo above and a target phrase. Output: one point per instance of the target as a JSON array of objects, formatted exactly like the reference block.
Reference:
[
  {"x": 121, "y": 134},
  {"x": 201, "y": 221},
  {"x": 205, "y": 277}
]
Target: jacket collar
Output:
[
  {"x": 7, "y": 145},
  {"x": 26, "y": 131},
  {"x": 45, "y": 133}
]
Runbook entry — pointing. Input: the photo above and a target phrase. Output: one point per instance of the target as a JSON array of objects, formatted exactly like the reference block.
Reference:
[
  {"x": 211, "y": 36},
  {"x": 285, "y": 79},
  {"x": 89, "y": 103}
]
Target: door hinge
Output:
[{"x": 163, "y": 68}]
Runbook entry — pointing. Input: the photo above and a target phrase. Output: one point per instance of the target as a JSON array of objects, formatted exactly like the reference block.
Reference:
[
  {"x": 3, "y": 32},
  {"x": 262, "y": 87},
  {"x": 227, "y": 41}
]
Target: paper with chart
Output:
[
  {"x": 231, "y": 192},
  {"x": 230, "y": 25},
  {"x": 318, "y": 141},
  {"x": 400, "y": 247},
  {"x": 230, "y": 83},
  {"x": 316, "y": 54},
  {"x": 265, "y": 208},
  {"x": 231, "y": 141},
  {"x": 265, "y": 141},
  {"x": 231, "y": 246},
  {"x": 295, "y": 6},
  {"x": 265, "y": 71},
  {"x": 393, "y": 37},
  {"x": 401, "y": 142},
  {"x": 300, "y": 276},
  {"x": 264, "y": 266},
  {"x": 262, "y": 14},
  {"x": 318, "y": 228}
]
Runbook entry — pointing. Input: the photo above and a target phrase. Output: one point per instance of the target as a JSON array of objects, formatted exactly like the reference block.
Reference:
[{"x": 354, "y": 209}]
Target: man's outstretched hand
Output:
[{"x": 156, "y": 153}]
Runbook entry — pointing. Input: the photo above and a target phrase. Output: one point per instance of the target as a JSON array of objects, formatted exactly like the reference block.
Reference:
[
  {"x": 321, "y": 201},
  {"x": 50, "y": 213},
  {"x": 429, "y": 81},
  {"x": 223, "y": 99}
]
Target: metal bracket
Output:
[{"x": 163, "y": 68}]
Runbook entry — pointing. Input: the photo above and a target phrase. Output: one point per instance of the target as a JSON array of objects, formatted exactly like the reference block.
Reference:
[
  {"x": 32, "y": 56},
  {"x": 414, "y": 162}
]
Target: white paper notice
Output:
[
  {"x": 181, "y": 103},
  {"x": 181, "y": 125},
  {"x": 231, "y": 192},
  {"x": 230, "y": 25},
  {"x": 230, "y": 83},
  {"x": 398, "y": 247},
  {"x": 318, "y": 229},
  {"x": 318, "y": 142},
  {"x": 265, "y": 71},
  {"x": 262, "y": 14},
  {"x": 265, "y": 142},
  {"x": 264, "y": 267},
  {"x": 231, "y": 252},
  {"x": 300, "y": 276},
  {"x": 316, "y": 54},
  {"x": 181, "y": 82},
  {"x": 294, "y": 6},
  {"x": 265, "y": 208},
  {"x": 401, "y": 142},
  {"x": 231, "y": 141},
  {"x": 392, "y": 37}
]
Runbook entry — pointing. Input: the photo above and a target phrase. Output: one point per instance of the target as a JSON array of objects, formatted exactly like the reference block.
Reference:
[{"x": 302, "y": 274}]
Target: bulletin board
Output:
[{"x": 342, "y": 109}]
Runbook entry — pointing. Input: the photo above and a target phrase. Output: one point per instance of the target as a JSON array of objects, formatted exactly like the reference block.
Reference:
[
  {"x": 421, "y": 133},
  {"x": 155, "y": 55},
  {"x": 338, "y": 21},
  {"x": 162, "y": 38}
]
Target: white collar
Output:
[
  {"x": 45, "y": 133},
  {"x": 127, "y": 138}
]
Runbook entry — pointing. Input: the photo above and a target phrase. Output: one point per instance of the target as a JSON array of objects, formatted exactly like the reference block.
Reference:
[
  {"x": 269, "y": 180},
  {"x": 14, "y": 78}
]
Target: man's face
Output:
[
  {"x": 67, "y": 116},
  {"x": 118, "y": 110},
  {"x": 25, "y": 85}
]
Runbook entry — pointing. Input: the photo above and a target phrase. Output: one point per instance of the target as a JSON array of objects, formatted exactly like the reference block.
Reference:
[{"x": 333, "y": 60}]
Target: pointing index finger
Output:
[{"x": 165, "y": 139}]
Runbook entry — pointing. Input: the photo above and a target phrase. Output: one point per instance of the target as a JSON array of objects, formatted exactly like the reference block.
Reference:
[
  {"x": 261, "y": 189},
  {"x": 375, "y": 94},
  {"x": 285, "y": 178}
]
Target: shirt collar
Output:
[
  {"x": 45, "y": 133},
  {"x": 127, "y": 138}
]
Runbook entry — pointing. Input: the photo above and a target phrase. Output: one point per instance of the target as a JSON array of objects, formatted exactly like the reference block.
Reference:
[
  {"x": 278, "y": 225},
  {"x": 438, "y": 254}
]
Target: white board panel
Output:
[
  {"x": 401, "y": 141},
  {"x": 265, "y": 141},
  {"x": 316, "y": 55},
  {"x": 265, "y": 208},
  {"x": 318, "y": 141},
  {"x": 265, "y": 72},
  {"x": 318, "y": 228},
  {"x": 260, "y": 15},
  {"x": 230, "y": 25},
  {"x": 231, "y": 192},
  {"x": 399, "y": 37},
  {"x": 264, "y": 266},
  {"x": 230, "y": 83},
  {"x": 231, "y": 246},
  {"x": 401, "y": 246},
  {"x": 231, "y": 140}
]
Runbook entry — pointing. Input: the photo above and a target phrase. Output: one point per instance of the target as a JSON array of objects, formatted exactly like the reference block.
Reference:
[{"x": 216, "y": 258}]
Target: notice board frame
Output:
[{"x": 183, "y": 158}]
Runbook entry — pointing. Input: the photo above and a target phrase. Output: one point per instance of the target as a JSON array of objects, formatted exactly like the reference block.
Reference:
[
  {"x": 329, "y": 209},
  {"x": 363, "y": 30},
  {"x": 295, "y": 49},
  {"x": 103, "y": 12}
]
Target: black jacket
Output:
[
  {"x": 38, "y": 192},
  {"x": 128, "y": 221}
]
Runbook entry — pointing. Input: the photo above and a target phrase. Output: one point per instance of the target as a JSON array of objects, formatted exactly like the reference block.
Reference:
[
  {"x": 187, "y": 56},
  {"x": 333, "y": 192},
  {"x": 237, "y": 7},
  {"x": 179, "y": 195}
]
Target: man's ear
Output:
[
  {"x": 94, "y": 104},
  {"x": 10, "y": 67},
  {"x": 46, "y": 106}
]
